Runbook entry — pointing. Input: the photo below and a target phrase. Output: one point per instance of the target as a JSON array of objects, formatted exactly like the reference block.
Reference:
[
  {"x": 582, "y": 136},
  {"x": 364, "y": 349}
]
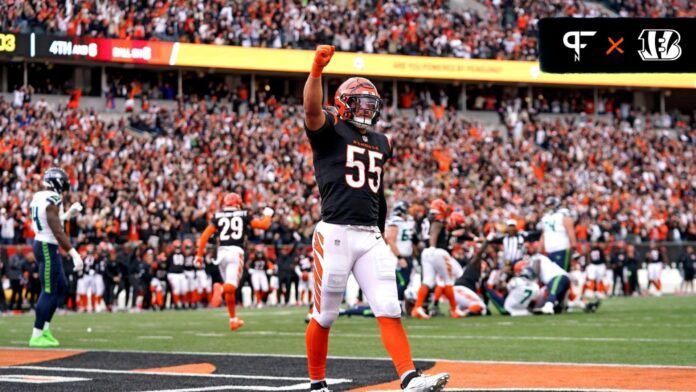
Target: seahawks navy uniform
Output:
[
  {"x": 231, "y": 227},
  {"x": 348, "y": 168}
]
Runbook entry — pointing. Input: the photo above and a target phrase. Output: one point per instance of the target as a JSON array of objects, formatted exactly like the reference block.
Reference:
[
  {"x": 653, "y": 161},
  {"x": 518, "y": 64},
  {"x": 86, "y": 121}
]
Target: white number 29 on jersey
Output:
[
  {"x": 232, "y": 228},
  {"x": 351, "y": 162}
]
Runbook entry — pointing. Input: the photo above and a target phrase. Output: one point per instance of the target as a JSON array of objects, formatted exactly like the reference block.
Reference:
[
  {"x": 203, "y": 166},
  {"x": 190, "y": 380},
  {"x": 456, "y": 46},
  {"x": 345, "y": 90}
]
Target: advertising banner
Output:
[{"x": 87, "y": 49}]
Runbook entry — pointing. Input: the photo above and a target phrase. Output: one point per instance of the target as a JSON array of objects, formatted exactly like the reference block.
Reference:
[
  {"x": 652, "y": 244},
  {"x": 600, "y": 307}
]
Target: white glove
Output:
[
  {"x": 75, "y": 208},
  {"x": 268, "y": 211},
  {"x": 77, "y": 259}
]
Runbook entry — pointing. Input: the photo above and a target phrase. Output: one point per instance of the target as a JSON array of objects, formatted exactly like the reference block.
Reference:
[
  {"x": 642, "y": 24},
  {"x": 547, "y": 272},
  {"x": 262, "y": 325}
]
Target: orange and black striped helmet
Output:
[{"x": 358, "y": 102}]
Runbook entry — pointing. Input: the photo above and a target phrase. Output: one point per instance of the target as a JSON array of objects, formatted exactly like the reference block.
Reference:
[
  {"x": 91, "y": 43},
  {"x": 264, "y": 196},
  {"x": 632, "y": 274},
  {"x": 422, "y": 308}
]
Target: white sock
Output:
[
  {"x": 403, "y": 376},
  {"x": 36, "y": 333},
  {"x": 46, "y": 325}
]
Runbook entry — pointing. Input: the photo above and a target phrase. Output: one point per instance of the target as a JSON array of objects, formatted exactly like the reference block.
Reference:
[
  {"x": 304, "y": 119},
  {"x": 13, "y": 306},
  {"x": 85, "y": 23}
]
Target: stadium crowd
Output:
[
  {"x": 502, "y": 30},
  {"x": 623, "y": 179}
]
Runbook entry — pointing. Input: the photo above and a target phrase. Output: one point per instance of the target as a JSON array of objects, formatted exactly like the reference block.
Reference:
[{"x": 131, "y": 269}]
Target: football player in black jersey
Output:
[
  {"x": 348, "y": 162},
  {"x": 232, "y": 225},
  {"x": 175, "y": 276}
]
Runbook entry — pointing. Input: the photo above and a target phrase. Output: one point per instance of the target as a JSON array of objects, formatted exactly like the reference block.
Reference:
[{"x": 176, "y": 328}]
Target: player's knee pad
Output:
[
  {"x": 387, "y": 307},
  {"x": 326, "y": 318},
  {"x": 334, "y": 282},
  {"x": 229, "y": 288}
]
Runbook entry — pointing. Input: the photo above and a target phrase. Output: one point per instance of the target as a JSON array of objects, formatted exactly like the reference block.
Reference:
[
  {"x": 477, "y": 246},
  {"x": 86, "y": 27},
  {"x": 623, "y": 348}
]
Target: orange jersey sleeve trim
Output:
[
  {"x": 263, "y": 223},
  {"x": 204, "y": 239}
]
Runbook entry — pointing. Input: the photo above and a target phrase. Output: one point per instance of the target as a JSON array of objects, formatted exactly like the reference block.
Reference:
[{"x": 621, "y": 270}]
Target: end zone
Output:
[{"x": 72, "y": 370}]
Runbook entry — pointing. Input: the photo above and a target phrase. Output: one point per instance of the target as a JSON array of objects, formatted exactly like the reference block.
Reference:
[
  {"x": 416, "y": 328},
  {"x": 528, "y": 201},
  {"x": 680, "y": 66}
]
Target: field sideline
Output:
[{"x": 646, "y": 331}]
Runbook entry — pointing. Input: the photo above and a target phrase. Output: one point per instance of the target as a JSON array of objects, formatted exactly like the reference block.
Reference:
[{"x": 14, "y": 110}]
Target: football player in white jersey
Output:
[
  {"x": 399, "y": 232},
  {"x": 556, "y": 280},
  {"x": 47, "y": 218},
  {"x": 558, "y": 237}
]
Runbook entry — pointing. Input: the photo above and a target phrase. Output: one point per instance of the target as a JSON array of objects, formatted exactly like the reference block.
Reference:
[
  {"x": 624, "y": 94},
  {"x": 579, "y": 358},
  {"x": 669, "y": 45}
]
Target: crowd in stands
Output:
[
  {"x": 622, "y": 178},
  {"x": 157, "y": 189},
  {"x": 501, "y": 30}
]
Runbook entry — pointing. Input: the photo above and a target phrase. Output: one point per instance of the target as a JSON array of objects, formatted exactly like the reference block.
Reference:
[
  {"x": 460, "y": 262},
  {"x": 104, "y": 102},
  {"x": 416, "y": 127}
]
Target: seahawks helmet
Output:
[
  {"x": 56, "y": 180},
  {"x": 528, "y": 273},
  {"x": 552, "y": 202},
  {"x": 400, "y": 208}
]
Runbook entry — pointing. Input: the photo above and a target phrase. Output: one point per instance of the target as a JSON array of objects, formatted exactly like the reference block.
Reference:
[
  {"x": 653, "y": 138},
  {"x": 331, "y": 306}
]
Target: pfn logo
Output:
[
  {"x": 575, "y": 44},
  {"x": 660, "y": 45}
]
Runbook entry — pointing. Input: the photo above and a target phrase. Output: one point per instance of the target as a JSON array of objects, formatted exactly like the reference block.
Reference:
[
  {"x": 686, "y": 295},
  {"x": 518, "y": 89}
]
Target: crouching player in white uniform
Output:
[
  {"x": 47, "y": 216},
  {"x": 551, "y": 275},
  {"x": 468, "y": 301},
  {"x": 522, "y": 293},
  {"x": 232, "y": 225}
]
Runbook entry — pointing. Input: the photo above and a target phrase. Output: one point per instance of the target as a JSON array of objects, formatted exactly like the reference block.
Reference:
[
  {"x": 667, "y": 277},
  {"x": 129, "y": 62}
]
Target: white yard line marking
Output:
[
  {"x": 156, "y": 337},
  {"x": 148, "y": 373},
  {"x": 359, "y": 358},
  {"x": 484, "y": 337},
  {"x": 34, "y": 379},
  {"x": 295, "y": 387}
]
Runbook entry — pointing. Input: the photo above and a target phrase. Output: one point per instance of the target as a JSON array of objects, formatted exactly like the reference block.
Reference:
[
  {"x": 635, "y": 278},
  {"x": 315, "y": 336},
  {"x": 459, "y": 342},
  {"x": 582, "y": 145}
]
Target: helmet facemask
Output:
[{"x": 363, "y": 109}]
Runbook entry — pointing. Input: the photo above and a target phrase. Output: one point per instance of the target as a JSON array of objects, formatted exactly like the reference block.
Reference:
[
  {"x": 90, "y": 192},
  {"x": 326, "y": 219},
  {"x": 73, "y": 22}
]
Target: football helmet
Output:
[
  {"x": 232, "y": 200},
  {"x": 524, "y": 270},
  {"x": 400, "y": 208},
  {"x": 552, "y": 202},
  {"x": 358, "y": 102},
  {"x": 439, "y": 208},
  {"x": 56, "y": 179},
  {"x": 456, "y": 219}
]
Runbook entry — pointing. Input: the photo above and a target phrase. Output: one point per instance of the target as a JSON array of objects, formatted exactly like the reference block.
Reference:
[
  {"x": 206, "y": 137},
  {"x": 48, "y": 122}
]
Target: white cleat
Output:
[
  {"x": 425, "y": 383},
  {"x": 547, "y": 308}
]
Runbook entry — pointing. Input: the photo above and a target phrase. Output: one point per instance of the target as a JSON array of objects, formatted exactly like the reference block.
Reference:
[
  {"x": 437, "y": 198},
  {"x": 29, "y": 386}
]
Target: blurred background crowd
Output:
[{"x": 497, "y": 29}]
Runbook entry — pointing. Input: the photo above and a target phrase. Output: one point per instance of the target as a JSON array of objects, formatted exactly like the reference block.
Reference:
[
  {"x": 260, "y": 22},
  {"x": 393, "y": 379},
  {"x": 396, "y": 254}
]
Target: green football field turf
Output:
[{"x": 625, "y": 330}]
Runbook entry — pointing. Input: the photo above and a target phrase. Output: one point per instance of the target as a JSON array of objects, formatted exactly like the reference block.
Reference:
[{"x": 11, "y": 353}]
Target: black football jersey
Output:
[
  {"x": 189, "y": 262},
  {"x": 442, "y": 238},
  {"x": 175, "y": 263},
  {"x": 259, "y": 264},
  {"x": 348, "y": 167},
  {"x": 231, "y": 227},
  {"x": 160, "y": 270},
  {"x": 597, "y": 256}
]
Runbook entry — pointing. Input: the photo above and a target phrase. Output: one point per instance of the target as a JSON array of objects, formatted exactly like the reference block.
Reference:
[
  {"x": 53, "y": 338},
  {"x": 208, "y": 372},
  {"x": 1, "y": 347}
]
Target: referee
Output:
[{"x": 514, "y": 242}]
